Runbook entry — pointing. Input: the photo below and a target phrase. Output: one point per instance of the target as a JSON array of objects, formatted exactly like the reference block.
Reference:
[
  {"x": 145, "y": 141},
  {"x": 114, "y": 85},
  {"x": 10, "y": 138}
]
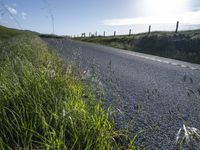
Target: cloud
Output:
[
  {"x": 12, "y": 10},
  {"x": 187, "y": 18},
  {"x": 23, "y": 14},
  {"x": 11, "y": 18}
]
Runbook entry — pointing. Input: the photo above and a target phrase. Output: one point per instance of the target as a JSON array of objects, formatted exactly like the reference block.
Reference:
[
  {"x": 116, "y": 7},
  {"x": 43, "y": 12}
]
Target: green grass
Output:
[
  {"x": 182, "y": 46},
  {"x": 6, "y": 33},
  {"x": 44, "y": 107}
]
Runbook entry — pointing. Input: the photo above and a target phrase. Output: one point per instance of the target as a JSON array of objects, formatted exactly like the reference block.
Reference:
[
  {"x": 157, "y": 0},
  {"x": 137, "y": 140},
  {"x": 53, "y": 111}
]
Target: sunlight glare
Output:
[{"x": 164, "y": 7}]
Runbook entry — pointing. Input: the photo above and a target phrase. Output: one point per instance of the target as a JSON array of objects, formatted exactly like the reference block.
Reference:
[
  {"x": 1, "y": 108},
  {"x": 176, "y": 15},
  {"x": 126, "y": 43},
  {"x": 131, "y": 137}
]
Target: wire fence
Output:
[{"x": 136, "y": 29}]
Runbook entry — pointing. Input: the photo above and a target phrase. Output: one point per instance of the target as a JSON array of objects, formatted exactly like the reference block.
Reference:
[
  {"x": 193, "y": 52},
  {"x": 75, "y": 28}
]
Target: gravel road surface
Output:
[{"x": 155, "y": 94}]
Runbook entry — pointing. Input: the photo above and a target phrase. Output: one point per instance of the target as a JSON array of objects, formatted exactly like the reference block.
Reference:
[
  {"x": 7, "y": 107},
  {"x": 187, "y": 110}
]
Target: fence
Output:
[{"x": 115, "y": 32}]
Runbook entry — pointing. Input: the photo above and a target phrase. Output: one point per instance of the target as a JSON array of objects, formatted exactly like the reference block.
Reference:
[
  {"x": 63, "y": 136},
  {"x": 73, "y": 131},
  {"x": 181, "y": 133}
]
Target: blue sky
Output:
[{"x": 76, "y": 16}]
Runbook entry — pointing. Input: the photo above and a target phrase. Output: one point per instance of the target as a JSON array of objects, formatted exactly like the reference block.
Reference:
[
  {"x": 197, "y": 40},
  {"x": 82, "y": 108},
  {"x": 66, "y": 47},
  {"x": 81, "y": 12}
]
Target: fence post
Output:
[
  {"x": 177, "y": 25},
  {"x": 149, "y": 29},
  {"x": 114, "y": 33},
  {"x": 83, "y": 35},
  {"x": 104, "y": 34},
  {"x": 130, "y": 32}
]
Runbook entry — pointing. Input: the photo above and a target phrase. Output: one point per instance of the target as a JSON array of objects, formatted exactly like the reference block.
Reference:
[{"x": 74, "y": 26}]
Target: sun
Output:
[{"x": 164, "y": 7}]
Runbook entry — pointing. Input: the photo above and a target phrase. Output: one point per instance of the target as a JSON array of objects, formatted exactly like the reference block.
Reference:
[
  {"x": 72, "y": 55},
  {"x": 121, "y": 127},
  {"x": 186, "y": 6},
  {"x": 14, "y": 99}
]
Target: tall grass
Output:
[{"x": 44, "y": 107}]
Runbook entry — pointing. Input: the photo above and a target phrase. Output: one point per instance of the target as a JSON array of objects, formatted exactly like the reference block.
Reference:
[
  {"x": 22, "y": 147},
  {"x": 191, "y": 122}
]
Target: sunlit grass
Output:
[
  {"x": 44, "y": 107},
  {"x": 187, "y": 137}
]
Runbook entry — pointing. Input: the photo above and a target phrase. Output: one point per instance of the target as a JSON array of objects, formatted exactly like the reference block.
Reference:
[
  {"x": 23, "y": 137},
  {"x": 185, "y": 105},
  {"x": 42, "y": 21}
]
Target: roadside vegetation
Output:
[
  {"x": 184, "y": 45},
  {"x": 46, "y": 106},
  {"x": 6, "y": 33}
]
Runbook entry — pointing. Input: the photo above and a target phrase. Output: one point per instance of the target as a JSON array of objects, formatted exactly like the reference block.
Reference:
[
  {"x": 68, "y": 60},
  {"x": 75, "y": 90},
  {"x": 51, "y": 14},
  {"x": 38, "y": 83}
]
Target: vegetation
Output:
[
  {"x": 184, "y": 45},
  {"x": 45, "y": 106},
  {"x": 6, "y": 33}
]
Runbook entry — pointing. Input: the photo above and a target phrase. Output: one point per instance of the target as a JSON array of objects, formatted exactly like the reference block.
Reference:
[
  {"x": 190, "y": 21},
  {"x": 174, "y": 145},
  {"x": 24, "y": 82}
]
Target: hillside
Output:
[
  {"x": 184, "y": 45},
  {"x": 6, "y": 33}
]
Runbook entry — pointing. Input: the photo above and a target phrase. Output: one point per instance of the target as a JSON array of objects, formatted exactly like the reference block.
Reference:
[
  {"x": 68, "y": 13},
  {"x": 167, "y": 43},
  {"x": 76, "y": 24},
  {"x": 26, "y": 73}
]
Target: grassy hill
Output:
[
  {"x": 184, "y": 45},
  {"x": 6, "y": 33},
  {"x": 46, "y": 106}
]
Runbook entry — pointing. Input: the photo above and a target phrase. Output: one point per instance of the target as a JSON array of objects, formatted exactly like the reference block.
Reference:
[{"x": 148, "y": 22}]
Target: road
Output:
[{"x": 153, "y": 94}]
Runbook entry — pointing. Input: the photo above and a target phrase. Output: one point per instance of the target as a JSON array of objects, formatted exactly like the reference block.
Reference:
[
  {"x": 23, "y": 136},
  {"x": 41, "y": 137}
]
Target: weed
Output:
[{"x": 187, "y": 137}]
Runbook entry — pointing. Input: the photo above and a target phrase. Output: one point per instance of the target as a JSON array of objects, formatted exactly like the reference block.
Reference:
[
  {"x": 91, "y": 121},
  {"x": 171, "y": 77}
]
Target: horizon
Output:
[{"x": 76, "y": 17}]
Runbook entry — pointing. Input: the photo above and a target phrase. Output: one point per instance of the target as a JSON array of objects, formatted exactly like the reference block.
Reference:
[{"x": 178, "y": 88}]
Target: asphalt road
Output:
[{"x": 155, "y": 94}]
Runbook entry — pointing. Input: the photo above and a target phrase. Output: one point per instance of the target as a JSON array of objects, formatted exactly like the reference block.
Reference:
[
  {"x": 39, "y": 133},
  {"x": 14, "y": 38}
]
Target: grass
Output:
[
  {"x": 6, "y": 33},
  {"x": 187, "y": 137},
  {"x": 184, "y": 45},
  {"x": 45, "y": 107}
]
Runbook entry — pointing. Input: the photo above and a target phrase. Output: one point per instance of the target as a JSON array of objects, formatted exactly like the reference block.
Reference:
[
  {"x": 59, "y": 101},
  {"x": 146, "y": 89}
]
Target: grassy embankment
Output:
[
  {"x": 182, "y": 46},
  {"x": 45, "y": 107}
]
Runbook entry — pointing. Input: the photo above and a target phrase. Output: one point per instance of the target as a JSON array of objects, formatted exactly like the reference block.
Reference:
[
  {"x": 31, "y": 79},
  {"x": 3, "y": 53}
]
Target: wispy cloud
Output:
[
  {"x": 23, "y": 14},
  {"x": 12, "y": 10},
  {"x": 187, "y": 17},
  {"x": 11, "y": 18}
]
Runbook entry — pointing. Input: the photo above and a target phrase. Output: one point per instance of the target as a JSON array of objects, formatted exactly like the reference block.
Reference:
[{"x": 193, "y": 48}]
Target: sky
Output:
[{"x": 73, "y": 17}]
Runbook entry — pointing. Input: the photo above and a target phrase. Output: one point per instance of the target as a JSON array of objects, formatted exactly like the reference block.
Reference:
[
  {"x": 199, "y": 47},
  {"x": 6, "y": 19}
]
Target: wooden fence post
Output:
[
  {"x": 149, "y": 29},
  {"x": 130, "y": 32},
  {"x": 104, "y": 34},
  {"x": 114, "y": 33},
  {"x": 83, "y": 35},
  {"x": 177, "y": 25}
]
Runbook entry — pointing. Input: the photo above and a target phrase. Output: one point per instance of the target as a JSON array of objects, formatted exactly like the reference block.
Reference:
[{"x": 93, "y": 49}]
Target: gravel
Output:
[{"x": 153, "y": 97}]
